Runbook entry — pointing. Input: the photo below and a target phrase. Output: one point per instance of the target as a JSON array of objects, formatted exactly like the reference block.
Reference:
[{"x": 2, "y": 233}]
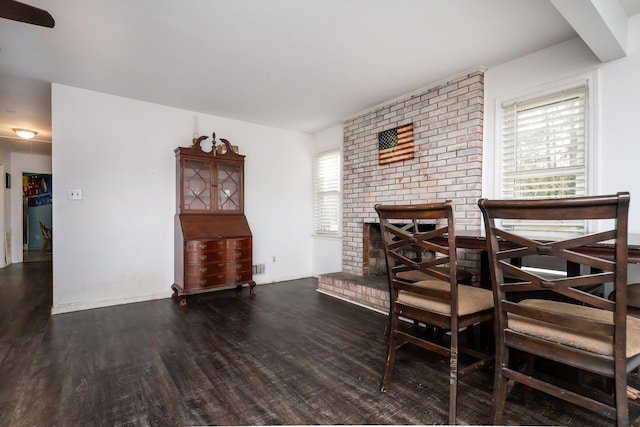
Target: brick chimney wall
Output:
[{"x": 447, "y": 129}]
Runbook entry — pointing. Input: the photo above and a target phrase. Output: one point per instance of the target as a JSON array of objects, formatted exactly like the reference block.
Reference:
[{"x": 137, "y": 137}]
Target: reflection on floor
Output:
[{"x": 31, "y": 256}]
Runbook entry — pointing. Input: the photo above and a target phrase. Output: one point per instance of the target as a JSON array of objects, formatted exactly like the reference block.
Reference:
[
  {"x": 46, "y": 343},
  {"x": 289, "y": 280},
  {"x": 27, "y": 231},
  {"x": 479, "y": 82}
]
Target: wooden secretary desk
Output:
[{"x": 213, "y": 246}]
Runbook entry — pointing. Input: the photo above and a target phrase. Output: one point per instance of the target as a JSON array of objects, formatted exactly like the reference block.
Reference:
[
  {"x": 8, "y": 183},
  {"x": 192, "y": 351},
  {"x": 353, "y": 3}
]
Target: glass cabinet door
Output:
[
  {"x": 196, "y": 181},
  {"x": 229, "y": 187}
]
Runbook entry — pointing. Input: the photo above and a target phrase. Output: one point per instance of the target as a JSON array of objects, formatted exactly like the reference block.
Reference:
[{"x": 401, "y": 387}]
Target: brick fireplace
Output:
[{"x": 447, "y": 123}]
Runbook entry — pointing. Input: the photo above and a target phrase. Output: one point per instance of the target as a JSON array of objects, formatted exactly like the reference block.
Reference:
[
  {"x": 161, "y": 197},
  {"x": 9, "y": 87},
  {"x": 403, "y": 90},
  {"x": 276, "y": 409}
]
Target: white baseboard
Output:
[{"x": 88, "y": 305}]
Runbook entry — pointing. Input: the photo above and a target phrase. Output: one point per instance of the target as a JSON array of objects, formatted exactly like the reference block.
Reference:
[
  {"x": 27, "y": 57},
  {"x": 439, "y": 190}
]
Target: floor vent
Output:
[{"x": 258, "y": 269}]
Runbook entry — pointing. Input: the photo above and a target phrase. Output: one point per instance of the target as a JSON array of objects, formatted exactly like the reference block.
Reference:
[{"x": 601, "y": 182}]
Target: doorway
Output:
[{"x": 37, "y": 217}]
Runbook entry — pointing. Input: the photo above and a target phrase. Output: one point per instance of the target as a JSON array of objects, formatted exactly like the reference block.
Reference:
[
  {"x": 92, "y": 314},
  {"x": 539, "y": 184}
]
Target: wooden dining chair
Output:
[
  {"x": 555, "y": 318},
  {"x": 421, "y": 238}
]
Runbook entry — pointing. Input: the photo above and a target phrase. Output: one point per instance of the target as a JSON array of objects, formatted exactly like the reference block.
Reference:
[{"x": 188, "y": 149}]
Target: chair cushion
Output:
[
  {"x": 470, "y": 298},
  {"x": 593, "y": 342}
]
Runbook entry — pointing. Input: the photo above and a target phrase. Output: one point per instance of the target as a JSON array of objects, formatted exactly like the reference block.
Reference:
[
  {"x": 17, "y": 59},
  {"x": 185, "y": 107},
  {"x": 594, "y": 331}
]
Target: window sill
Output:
[{"x": 337, "y": 236}]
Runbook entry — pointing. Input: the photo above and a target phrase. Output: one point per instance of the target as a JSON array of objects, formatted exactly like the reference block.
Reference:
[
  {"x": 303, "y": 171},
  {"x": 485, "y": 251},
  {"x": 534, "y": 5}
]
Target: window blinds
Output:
[
  {"x": 544, "y": 152},
  {"x": 544, "y": 143},
  {"x": 327, "y": 192}
]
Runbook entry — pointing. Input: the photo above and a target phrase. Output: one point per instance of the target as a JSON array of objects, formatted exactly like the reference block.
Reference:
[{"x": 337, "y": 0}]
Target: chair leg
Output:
[
  {"x": 453, "y": 377},
  {"x": 528, "y": 369},
  {"x": 391, "y": 353},
  {"x": 387, "y": 327},
  {"x": 500, "y": 385},
  {"x": 622, "y": 403}
]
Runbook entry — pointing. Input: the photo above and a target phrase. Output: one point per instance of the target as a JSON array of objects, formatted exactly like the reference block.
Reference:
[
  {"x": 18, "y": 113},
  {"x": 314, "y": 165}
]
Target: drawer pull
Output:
[
  {"x": 238, "y": 245},
  {"x": 220, "y": 252},
  {"x": 203, "y": 257},
  {"x": 203, "y": 281},
  {"x": 203, "y": 269},
  {"x": 203, "y": 246},
  {"x": 221, "y": 264},
  {"x": 238, "y": 254}
]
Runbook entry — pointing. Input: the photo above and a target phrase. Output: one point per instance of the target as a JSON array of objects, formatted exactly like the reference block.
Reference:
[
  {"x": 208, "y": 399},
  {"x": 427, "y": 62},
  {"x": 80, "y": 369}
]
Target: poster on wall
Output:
[{"x": 37, "y": 189}]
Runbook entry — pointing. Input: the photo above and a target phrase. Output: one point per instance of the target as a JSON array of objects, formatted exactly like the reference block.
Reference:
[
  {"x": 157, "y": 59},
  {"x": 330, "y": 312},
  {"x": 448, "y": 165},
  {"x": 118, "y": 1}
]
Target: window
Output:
[
  {"x": 327, "y": 192},
  {"x": 544, "y": 151}
]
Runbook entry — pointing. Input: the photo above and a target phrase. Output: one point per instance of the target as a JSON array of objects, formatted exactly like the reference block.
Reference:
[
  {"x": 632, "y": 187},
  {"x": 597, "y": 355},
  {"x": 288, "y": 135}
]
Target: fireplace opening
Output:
[{"x": 373, "y": 260}]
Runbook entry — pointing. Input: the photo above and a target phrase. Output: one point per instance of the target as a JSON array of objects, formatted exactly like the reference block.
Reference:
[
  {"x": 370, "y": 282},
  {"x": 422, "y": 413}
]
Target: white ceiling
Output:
[{"x": 295, "y": 64}]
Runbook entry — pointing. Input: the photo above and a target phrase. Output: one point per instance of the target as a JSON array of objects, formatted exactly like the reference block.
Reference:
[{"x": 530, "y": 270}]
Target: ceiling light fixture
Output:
[{"x": 25, "y": 133}]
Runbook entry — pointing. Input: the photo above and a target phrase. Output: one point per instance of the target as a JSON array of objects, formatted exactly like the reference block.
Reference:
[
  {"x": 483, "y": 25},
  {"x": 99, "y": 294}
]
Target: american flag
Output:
[{"x": 396, "y": 144}]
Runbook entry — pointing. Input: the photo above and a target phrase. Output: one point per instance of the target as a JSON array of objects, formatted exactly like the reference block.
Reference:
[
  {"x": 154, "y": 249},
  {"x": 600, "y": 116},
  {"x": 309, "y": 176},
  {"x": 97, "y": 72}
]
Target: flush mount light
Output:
[{"x": 25, "y": 133}]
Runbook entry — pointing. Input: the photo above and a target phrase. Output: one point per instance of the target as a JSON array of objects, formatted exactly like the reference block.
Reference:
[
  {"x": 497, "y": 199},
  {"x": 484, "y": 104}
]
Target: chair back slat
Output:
[
  {"x": 418, "y": 290},
  {"x": 599, "y": 207}
]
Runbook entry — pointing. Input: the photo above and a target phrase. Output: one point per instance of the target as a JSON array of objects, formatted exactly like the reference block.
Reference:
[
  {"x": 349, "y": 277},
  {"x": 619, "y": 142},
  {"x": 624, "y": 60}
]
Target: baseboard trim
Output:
[
  {"x": 88, "y": 305},
  {"x": 377, "y": 310}
]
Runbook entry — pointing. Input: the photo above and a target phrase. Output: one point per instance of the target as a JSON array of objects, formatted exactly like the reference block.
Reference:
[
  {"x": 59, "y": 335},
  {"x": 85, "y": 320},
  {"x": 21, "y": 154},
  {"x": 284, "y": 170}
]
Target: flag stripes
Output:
[{"x": 395, "y": 144}]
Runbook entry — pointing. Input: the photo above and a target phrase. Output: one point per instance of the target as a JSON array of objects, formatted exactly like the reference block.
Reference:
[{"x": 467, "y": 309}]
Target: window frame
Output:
[
  {"x": 335, "y": 192},
  {"x": 589, "y": 80}
]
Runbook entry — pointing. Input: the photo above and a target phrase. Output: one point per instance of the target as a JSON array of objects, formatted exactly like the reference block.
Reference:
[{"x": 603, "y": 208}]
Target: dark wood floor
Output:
[{"x": 289, "y": 355}]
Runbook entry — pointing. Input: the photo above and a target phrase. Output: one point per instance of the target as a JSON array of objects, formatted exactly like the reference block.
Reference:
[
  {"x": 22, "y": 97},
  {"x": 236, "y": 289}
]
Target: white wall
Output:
[
  {"x": 22, "y": 163},
  {"x": 116, "y": 245},
  {"x": 618, "y": 95},
  {"x": 327, "y": 251}
]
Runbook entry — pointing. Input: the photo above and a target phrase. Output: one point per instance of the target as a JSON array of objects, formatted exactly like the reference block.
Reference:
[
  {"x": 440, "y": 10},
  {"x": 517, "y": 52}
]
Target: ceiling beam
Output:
[{"x": 602, "y": 25}]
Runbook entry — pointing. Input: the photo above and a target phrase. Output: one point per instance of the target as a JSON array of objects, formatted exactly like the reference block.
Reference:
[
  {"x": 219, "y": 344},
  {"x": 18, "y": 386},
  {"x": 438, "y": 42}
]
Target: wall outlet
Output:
[
  {"x": 74, "y": 193},
  {"x": 273, "y": 259}
]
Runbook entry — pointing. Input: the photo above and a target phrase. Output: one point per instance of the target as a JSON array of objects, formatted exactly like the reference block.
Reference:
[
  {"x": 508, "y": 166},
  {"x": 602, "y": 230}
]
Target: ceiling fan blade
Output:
[{"x": 17, "y": 11}]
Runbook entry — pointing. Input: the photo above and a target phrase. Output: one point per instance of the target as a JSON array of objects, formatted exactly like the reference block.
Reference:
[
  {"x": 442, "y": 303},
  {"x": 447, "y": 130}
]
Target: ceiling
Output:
[{"x": 291, "y": 64}]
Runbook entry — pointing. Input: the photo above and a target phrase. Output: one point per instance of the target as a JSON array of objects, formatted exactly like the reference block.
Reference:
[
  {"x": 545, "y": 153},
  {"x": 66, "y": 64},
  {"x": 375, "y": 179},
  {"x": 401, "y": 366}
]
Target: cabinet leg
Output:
[{"x": 252, "y": 288}]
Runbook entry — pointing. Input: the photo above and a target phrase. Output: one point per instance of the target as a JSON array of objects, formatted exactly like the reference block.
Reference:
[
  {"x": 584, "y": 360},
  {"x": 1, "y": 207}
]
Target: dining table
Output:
[{"x": 476, "y": 240}]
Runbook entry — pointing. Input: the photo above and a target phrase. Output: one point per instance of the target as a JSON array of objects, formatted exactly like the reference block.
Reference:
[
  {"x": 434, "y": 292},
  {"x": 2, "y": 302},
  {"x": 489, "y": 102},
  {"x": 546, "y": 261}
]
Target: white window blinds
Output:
[
  {"x": 544, "y": 149},
  {"x": 327, "y": 192}
]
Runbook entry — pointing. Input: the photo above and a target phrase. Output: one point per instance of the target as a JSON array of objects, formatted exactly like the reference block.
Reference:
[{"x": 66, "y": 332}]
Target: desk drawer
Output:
[
  {"x": 221, "y": 279},
  {"x": 198, "y": 251},
  {"x": 213, "y": 268}
]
